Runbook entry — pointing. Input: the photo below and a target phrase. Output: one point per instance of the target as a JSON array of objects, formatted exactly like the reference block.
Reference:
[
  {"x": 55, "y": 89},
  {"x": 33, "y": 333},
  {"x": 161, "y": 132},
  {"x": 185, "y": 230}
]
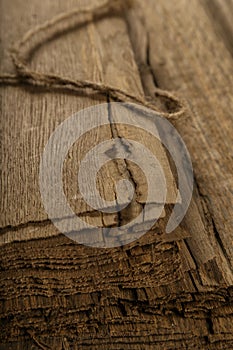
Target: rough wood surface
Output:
[{"x": 158, "y": 292}]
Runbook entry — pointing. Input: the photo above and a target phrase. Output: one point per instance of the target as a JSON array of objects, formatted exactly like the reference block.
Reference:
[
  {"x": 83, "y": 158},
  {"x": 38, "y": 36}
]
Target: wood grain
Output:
[
  {"x": 205, "y": 67},
  {"x": 169, "y": 292}
]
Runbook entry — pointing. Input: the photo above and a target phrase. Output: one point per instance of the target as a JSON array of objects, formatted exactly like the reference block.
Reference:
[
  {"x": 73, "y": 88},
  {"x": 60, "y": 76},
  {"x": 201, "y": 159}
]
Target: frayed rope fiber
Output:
[{"x": 59, "y": 24}]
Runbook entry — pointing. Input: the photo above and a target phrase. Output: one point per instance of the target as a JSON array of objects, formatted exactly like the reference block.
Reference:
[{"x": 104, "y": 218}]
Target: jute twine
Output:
[{"x": 64, "y": 22}]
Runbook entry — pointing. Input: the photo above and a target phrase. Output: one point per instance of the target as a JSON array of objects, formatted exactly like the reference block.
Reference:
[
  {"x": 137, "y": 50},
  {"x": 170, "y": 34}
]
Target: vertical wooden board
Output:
[
  {"x": 29, "y": 119},
  {"x": 188, "y": 57},
  {"x": 13, "y": 13},
  {"x": 220, "y": 13},
  {"x": 60, "y": 56},
  {"x": 71, "y": 296}
]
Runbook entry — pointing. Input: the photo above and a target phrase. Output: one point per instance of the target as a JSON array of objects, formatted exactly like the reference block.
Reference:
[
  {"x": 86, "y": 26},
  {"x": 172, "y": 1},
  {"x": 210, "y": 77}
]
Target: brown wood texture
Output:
[{"x": 159, "y": 292}]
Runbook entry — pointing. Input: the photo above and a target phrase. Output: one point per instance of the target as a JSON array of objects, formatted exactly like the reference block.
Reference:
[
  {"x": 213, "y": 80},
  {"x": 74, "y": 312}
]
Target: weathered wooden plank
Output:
[
  {"x": 138, "y": 296},
  {"x": 51, "y": 58},
  {"x": 26, "y": 129},
  {"x": 221, "y": 16},
  {"x": 187, "y": 57}
]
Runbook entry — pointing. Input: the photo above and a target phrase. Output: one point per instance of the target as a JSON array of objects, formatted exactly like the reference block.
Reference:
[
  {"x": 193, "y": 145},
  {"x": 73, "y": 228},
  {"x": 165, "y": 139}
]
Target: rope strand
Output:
[{"x": 57, "y": 25}]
